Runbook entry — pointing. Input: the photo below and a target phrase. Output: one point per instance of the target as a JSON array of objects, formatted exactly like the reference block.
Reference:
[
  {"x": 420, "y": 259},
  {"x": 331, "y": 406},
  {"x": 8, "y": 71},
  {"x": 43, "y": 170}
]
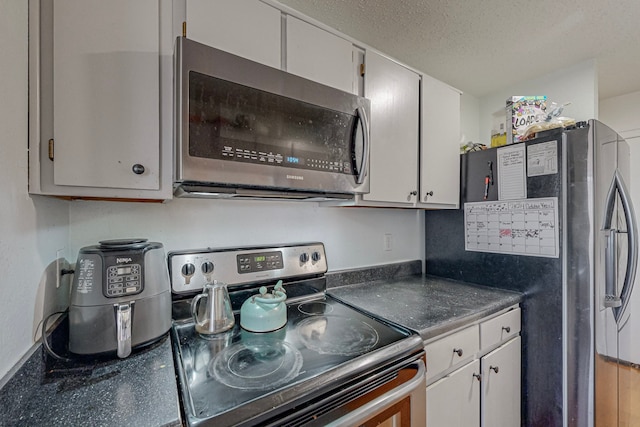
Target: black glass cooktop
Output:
[{"x": 226, "y": 372}]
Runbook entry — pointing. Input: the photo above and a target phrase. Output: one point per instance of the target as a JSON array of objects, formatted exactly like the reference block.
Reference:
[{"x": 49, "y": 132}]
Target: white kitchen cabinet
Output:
[
  {"x": 440, "y": 151},
  {"x": 247, "y": 28},
  {"x": 473, "y": 374},
  {"x": 394, "y": 126},
  {"x": 318, "y": 55},
  {"x": 97, "y": 73},
  {"x": 501, "y": 386},
  {"x": 453, "y": 401}
]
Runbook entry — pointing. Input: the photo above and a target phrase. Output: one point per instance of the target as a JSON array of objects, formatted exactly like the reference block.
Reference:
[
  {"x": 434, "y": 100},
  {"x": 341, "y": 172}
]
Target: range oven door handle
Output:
[{"x": 363, "y": 413}]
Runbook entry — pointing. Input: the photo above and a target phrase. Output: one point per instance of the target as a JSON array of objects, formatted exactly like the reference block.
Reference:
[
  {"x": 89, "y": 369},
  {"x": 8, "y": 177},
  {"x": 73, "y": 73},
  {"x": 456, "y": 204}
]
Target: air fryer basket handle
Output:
[{"x": 123, "y": 326}]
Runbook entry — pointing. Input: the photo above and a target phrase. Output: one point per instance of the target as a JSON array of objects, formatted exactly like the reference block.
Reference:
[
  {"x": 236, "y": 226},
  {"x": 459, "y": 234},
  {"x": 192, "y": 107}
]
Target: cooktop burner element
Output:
[
  {"x": 337, "y": 335},
  {"x": 257, "y": 366},
  {"x": 315, "y": 307}
]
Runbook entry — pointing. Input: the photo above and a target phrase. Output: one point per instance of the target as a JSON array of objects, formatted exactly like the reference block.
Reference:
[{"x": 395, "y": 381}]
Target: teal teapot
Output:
[{"x": 265, "y": 312}]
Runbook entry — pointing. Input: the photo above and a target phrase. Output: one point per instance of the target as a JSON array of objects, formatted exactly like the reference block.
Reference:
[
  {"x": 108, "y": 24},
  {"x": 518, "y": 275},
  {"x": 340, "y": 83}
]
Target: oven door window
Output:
[{"x": 229, "y": 121}]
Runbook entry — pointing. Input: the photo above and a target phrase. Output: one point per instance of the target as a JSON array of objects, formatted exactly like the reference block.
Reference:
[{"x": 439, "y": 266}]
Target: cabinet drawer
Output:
[
  {"x": 500, "y": 328},
  {"x": 452, "y": 350}
]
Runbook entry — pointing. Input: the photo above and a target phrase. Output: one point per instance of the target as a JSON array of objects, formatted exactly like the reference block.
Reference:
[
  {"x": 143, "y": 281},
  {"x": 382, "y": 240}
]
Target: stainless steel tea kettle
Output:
[{"x": 218, "y": 315}]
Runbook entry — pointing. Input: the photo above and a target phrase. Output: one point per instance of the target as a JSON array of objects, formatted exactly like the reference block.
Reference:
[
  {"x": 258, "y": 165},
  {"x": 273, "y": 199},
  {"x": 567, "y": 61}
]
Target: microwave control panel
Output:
[{"x": 268, "y": 157}]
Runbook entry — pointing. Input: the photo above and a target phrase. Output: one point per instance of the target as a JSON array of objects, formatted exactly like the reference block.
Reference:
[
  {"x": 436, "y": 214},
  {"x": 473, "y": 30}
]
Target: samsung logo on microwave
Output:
[
  {"x": 296, "y": 177},
  {"x": 121, "y": 260}
]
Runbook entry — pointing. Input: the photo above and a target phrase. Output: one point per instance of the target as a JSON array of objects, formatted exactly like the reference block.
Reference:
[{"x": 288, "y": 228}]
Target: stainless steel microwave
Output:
[{"x": 244, "y": 129}]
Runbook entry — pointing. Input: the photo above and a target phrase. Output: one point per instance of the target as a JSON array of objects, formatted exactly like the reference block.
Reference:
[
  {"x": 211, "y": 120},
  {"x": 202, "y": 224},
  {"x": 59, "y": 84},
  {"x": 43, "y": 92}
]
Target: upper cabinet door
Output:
[
  {"x": 318, "y": 55},
  {"x": 440, "y": 153},
  {"x": 394, "y": 92},
  {"x": 106, "y": 82},
  {"x": 246, "y": 28}
]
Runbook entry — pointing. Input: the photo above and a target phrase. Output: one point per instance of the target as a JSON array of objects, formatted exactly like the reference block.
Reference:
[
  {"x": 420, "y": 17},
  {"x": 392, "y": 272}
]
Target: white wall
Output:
[
  {"x": 469, "y": 118},
  {"x": 353, "y": 237},
  {"x": 31, "y": 229},
  {"x": 622, "y": 113},
  {"x": 577, "y": 84}
]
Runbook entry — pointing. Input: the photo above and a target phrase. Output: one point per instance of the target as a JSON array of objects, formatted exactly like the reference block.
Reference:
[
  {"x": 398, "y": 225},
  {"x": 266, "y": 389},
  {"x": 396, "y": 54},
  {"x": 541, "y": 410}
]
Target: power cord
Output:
[{"x": 45, "y": 342}]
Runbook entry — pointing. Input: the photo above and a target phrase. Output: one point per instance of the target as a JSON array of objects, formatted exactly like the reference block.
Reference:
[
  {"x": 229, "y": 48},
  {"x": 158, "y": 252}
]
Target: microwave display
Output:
[{"x": 232, "y": 122}]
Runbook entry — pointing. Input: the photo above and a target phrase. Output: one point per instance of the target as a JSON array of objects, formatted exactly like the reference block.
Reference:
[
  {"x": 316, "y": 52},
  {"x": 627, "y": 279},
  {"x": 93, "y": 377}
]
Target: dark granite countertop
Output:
[
  {"x": 140, "y": 390},
  {"x": 428, "y": 304}
]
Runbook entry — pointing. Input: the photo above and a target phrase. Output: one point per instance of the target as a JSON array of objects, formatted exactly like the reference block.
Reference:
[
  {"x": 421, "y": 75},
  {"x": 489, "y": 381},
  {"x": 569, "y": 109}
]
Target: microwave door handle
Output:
[
  {"x": 632, "y": 246},
  {"x": 363, "y": 122}
]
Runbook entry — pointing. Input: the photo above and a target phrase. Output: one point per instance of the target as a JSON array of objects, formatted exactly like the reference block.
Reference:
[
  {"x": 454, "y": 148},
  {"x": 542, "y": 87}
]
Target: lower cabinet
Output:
[
  {"x": 501, "y": 386},
  {"x": 454, "y": 400},
  {"x": 483, "y": 387}
]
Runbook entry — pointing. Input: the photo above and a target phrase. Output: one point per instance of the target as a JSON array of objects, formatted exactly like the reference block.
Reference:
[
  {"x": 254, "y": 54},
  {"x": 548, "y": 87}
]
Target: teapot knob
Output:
[{"x": 262, "y": 290}]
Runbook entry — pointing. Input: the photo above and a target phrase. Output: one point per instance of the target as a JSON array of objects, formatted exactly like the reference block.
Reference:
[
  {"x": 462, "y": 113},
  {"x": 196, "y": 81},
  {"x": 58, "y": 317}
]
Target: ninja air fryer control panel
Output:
[{"x": 122, "y": 274}]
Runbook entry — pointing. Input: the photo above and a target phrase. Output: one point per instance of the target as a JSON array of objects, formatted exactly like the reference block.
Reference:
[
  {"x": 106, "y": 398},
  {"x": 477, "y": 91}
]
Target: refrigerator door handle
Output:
[
  {"x": 611, "y": 300},
  {"x": 618, "y": 186}
]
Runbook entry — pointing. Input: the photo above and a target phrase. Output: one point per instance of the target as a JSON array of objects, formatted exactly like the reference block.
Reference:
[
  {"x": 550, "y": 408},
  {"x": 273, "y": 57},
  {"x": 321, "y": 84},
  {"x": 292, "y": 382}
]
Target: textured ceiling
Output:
[{"x": 481, "y": 46}]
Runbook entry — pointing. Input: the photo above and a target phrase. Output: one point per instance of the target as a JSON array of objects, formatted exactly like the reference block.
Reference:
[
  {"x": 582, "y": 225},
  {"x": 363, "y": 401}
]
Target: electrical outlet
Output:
[
  {"x": 63, "y": 281},
  {"x": 61, "y": 263},
  {"x": 388, "y": 242}
]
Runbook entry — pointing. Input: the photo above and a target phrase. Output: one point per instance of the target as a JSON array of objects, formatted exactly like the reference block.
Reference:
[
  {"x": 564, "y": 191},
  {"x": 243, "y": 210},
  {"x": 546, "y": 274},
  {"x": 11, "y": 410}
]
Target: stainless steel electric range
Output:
[{"x": 331, "y": 364}]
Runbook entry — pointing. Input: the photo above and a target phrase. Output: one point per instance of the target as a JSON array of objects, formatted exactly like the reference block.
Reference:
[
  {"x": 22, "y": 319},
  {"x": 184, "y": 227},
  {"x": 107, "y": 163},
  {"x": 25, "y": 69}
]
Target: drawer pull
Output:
[
  {"x": 458, "y": 351},
  {"x": 494, "y": 369},
  {"x": 507, "y": 329},
  {"x": 477, "y": 376}
]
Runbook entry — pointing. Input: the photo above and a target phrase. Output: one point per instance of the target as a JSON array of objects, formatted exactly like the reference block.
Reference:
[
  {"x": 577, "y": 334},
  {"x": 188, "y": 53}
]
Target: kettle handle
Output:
[
  {"x": 194, "y": 306},
  {"x": 123, "y": 326},
  {"x": 279, "y": 297}
]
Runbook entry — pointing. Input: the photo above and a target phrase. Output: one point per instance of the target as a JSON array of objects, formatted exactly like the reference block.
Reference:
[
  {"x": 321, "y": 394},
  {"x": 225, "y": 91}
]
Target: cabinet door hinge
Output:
[
  {"x": 51, "y": 149},
  {"x": 362, "y": 69},
  {"x": 184, "y": 29}
]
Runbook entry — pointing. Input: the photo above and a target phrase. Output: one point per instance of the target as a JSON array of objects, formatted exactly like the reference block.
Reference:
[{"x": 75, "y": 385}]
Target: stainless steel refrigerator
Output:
[{"x": 552, "y": 218}]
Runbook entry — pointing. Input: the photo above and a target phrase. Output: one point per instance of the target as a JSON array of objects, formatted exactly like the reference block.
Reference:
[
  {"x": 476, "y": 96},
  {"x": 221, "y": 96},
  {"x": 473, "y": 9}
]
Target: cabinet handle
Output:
[
  {"x": 413, "y": 193},
  {"x": 507, "y": 329},
  {"x": 494, "y": 369},
  {"x": 429, "y": 194},
  {"x": 477, "y": 376},
  {"x": 138, "y": 169},
  {"x": 458, "y": 351}
]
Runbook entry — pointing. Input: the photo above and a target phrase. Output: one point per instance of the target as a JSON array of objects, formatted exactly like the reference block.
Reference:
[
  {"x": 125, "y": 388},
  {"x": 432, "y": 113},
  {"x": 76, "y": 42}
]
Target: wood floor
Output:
[{"x": 606, "y": 411}]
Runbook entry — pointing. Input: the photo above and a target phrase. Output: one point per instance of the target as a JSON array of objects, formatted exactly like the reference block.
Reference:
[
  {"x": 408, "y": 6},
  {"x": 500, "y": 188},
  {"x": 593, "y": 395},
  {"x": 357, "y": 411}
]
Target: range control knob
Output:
[
  {"x": 187, "y": 271},
  {"x": 315, "y": 257},
  {"x": 304, "y": 257},
  {"x": 207, "y": 267}
]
